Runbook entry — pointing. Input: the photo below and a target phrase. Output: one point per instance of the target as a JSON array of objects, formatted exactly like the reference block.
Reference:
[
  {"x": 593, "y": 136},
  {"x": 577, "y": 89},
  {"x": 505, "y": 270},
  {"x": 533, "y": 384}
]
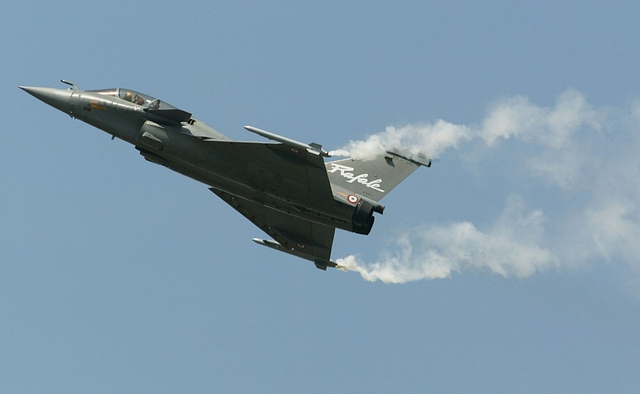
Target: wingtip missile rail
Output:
[
  {"x": 312, "y": 148},
  {"x": 322, "y": 264}
]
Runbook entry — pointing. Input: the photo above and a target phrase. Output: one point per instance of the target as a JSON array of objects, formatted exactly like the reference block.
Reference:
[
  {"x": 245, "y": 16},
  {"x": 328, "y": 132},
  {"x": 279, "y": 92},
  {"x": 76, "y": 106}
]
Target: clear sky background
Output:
[{"x": 518, "y": 251}]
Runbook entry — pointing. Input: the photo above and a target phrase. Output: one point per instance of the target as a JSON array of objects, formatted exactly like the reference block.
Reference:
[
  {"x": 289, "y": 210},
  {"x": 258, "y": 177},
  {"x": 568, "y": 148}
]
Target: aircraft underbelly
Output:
[{"x": 223, "y": 178}]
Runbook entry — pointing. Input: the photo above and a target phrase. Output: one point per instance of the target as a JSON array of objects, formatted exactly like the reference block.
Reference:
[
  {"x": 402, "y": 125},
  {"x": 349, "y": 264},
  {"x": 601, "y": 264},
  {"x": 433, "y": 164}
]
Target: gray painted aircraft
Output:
[{"x": 284, "y": 187}]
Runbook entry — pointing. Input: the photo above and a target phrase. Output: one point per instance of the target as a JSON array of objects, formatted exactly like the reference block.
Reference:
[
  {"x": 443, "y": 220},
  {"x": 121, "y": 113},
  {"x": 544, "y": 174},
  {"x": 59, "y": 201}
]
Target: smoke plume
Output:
[{"x": 589, "y": 159}]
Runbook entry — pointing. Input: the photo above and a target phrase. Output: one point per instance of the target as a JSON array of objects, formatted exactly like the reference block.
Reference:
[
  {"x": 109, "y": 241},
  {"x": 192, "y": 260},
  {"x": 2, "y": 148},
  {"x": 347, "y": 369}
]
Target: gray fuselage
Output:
[{"x": 172, "y": 138}]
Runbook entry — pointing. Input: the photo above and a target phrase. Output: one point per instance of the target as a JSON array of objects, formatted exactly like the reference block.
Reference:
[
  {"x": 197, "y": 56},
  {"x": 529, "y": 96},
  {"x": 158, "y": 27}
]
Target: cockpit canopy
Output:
[
  {"x": 136, "y": 98},
  {"x": 157, "y": 110}
]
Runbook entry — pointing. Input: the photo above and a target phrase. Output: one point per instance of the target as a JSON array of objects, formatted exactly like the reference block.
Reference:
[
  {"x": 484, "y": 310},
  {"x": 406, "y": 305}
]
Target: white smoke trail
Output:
[
  {"x": 514, "y": 117},
  {"x": 591, "y": 154},
  {"x": 509, "y": 248},
  {"x": 428, "y": 139}
]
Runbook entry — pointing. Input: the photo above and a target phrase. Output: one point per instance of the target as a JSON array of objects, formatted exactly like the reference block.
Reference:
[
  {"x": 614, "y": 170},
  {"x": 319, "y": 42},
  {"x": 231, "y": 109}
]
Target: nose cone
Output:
[{"x": 57, "y": 98}]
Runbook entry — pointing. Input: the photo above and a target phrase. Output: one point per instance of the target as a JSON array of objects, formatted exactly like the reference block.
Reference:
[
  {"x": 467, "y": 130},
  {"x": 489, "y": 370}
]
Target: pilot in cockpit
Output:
[
  {"x": 133, "y": 99},
  {"x": 138, "y": 100}
]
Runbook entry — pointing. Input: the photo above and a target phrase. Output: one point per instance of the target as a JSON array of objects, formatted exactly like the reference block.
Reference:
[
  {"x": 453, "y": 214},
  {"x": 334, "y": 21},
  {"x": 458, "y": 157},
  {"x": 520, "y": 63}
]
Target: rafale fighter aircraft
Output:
[{"x": 283, "y": 187}]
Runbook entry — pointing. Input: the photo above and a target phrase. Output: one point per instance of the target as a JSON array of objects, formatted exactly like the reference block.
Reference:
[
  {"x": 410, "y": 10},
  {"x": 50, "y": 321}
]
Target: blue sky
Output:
[{"x": 514, "y": 257}]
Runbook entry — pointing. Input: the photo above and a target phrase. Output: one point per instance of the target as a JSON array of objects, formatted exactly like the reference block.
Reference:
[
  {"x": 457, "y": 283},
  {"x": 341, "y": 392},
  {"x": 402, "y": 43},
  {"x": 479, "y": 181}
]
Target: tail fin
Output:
[{"x": 373, "y": 178}]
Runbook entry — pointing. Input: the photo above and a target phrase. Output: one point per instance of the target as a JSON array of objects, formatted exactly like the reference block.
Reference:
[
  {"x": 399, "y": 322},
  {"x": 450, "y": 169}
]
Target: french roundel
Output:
[{"x": 352, "y": 199}]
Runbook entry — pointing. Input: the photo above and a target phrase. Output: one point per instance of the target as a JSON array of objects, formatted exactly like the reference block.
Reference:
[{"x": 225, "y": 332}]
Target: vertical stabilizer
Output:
[{"x": 373, "y": 178}]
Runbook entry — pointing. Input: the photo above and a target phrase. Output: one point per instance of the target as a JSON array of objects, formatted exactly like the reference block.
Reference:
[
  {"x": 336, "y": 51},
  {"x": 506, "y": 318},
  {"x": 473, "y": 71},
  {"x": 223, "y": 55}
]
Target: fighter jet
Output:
[{"x": 282, "y": 186}]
